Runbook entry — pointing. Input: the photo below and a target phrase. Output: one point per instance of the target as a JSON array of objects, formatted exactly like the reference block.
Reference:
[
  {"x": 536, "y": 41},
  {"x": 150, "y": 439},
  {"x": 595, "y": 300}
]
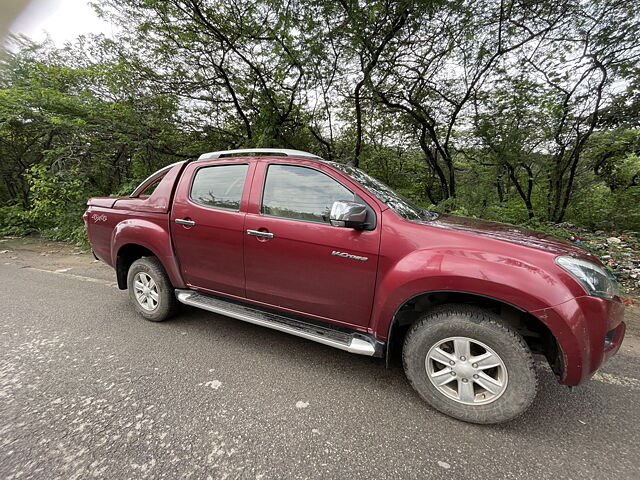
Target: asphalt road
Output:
[{"x": 88, "y": 389}]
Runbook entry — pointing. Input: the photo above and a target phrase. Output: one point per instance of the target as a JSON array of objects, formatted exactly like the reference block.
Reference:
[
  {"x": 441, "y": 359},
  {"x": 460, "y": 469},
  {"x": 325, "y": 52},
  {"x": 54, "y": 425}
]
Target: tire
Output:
[
  {"x": 438, "y": 339},
  {"x": 150, "y": 290}
]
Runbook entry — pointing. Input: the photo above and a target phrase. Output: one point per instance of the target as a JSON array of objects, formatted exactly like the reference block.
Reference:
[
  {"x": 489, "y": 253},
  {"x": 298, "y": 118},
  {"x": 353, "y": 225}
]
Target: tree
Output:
[
  {"x": 511, "y": 129},
  {"x": 236, "y": 65},
  {"x": 445, "y": 60},
  {"x": 500, "y": 109},
  {"x": 580, "y": 67}
]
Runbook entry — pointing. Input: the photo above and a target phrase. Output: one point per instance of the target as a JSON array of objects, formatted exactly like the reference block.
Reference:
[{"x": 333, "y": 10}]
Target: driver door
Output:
[{"x": 301, "y": 262}]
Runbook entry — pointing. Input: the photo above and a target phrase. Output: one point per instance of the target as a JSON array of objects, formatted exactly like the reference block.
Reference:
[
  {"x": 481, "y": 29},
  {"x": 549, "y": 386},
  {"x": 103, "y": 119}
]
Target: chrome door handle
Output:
[
  {"x": 182, "y": 221},
  {"x": 257, "y": 233}
]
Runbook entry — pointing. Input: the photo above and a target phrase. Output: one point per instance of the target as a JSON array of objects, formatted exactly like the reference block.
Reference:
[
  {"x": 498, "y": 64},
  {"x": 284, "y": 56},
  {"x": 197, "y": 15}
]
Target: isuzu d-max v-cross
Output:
[{"x": 321, "y": 250}]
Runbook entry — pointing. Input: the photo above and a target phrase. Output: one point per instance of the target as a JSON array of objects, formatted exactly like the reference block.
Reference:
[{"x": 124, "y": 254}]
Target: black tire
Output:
[
  {"x": 166, "y": 304},
  {"x": 443, "y": 322}
]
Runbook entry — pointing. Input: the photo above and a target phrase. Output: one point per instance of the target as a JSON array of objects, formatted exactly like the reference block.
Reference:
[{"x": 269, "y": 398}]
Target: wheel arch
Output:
[
  {"x": 126, "y": 255},
  {"x": 135, "y": 238},
  {"x": 536, "y": 333}
]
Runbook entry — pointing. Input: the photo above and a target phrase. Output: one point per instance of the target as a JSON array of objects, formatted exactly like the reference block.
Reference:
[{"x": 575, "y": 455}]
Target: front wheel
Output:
[
  {"x": 469, "y": 364},
  {"x": 150, "y": 289}
]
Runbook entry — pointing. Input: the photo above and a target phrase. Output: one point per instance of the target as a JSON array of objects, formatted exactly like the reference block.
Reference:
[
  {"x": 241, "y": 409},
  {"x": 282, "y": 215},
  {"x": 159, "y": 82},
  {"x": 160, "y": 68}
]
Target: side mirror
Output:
[{"x": 348, "y": 214}]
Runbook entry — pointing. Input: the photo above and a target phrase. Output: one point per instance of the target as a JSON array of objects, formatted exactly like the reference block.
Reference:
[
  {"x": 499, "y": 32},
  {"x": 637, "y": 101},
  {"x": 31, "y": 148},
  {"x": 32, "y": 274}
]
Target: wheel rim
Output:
[
  {"x": 466, "y": 370},
  {"x": 146, "y": 291}
]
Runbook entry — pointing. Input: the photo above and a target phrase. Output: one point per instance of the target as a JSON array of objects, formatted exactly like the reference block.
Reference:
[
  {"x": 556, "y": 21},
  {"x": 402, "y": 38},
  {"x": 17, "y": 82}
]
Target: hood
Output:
[{"x": 510, "y": 233}]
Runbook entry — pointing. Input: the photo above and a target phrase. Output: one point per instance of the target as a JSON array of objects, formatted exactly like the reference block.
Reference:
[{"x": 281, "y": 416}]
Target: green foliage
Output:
[
  {"x": 602, "y": 209},
  {"x": 54, "y": 195},
  {"x": 57, "y": 203},
  {"x": 14, "y": 221},
  {"x": 530, "y": 124}
]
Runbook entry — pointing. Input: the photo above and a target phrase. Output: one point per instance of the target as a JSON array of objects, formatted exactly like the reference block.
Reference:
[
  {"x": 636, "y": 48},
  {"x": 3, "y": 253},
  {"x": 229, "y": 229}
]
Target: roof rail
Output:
[{"x": 274, "y": 151}]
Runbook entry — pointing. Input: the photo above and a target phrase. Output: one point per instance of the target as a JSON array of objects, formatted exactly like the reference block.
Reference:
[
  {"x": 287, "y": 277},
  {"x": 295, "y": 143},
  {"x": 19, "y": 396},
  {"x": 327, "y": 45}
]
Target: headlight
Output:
[{"x": 596, "y": 280}]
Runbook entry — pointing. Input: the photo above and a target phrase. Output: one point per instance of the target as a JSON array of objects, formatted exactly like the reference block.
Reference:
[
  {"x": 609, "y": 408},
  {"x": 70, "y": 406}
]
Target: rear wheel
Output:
[
  {"x": 469, "y": 364},
  {"x": 150, "y": 289}
]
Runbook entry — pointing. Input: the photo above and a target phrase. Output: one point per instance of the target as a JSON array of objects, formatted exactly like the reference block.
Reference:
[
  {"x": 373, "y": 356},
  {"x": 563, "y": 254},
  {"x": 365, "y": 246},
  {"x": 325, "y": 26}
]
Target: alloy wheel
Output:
[
  {"x": 146, "y": 291},
  {"x": 466, "y": 370}
]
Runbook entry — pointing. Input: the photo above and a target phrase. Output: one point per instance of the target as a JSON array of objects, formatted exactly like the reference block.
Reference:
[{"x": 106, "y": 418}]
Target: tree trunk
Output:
[
  {"x": 433, "y": 163},
  {"x": 526, "y": 196}
]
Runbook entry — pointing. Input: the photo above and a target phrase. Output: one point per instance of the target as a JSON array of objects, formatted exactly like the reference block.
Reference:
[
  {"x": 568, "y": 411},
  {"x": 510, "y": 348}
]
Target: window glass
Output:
[
  {"x": 302, "y": 193},
  {"x": 151, "y": 188},
  {"x": 219, "y": 186},
  {"x": 397, "y": 202}
]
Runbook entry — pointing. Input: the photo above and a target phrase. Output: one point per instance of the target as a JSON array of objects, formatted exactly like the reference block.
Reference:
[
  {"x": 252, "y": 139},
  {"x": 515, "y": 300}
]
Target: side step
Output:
[{"x": 349, "y": 341}]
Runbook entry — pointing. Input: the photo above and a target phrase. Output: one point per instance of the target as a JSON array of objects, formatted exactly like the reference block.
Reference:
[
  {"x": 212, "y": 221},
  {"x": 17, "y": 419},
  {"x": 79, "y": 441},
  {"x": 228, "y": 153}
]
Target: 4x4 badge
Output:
[{"x": 348, "y": 255}]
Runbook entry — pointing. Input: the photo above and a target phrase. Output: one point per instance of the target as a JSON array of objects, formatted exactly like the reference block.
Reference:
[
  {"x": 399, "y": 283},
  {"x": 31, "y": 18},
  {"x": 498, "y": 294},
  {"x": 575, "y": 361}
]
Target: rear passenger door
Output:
[
  {"x": 207, "y": 225},
  {"x": 294, "y": 264}
]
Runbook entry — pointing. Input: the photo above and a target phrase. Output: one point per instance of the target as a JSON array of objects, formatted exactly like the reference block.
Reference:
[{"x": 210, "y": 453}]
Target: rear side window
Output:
[
  {"x": 219, "y": 186},
  {"x": 301, "y": 193},
  {"x": 151, "y": 188}
]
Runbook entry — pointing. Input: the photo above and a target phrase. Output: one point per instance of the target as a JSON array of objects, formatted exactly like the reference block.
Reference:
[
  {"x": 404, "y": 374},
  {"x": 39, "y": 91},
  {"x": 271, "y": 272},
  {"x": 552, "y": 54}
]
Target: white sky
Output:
[{"x": 63, "y": 20}]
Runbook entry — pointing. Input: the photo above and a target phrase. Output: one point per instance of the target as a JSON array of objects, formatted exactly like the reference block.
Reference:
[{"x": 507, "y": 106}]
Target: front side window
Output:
[
  {"x": 301, "y": 193},
  {"x": 219, "y": 186}
]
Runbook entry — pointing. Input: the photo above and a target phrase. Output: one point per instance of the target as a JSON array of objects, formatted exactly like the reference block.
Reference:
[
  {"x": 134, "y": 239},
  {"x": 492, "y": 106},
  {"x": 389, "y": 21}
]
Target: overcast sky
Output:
[{"x": 63, "y": 20}]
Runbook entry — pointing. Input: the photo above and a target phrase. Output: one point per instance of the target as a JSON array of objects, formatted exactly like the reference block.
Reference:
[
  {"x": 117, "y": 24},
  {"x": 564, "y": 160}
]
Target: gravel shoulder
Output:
[{"x": 39, "y": 253}]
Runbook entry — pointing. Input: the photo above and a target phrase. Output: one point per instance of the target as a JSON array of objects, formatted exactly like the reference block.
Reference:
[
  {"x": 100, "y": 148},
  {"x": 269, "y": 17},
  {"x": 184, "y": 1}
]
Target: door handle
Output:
[
  {"x": 184, "y": 221},
  {"x": 258, "y": 233}
]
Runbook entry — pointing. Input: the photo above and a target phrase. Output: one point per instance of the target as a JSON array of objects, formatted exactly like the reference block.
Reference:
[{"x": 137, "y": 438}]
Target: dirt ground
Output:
[{"x": 53, "y": 256}]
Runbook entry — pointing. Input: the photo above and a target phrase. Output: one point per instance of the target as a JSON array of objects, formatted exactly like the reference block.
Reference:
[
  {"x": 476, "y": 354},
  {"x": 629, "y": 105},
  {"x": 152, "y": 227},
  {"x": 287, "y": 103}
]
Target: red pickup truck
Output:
[{"x": 321, "y": 250}]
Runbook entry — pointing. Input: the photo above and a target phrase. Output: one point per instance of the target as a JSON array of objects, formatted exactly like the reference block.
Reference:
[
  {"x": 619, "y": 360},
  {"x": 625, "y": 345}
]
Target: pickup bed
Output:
[{"x": 321, "y": 250}]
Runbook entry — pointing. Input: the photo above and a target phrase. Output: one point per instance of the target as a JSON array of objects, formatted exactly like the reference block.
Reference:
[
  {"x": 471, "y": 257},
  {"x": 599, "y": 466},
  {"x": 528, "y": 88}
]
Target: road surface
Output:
[{"x": 88, "y": 389}]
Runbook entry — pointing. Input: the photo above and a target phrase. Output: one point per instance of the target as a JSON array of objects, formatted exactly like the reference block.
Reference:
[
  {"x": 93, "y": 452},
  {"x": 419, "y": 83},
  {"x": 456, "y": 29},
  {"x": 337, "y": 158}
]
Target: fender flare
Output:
[
  {"x": 151, "y": 236},
  {"x": 394, "y": 318}
]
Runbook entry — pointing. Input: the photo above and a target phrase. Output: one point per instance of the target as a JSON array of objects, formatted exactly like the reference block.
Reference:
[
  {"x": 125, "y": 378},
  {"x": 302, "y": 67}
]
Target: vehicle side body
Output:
[{"x": 316, "y": 270}]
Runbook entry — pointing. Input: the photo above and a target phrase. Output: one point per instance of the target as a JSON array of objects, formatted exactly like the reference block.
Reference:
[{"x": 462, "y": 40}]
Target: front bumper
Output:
[{"x": 588, "y": 330}]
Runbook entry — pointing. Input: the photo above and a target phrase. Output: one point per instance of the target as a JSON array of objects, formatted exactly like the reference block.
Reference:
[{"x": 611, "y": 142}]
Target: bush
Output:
[
  {"x": 602, "y": 209},
  {"x": 58, "y": 200},
  {"x": 68, "y": 233},
  {"x": 15, "y": 221}
]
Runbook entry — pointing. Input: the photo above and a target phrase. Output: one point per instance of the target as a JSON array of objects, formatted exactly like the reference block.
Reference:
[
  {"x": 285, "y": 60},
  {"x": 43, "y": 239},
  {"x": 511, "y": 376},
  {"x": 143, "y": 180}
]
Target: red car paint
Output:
[{"x": 294, "y": 272}]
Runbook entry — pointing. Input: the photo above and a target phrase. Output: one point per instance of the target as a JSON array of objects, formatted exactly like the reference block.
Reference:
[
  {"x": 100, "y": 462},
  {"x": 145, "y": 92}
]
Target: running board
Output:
[{"x": 349, "y": 341}]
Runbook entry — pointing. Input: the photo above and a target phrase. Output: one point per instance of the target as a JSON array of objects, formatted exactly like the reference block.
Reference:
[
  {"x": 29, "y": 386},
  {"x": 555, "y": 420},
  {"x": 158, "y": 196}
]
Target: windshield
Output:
[{"x": 394, "y": 200}]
